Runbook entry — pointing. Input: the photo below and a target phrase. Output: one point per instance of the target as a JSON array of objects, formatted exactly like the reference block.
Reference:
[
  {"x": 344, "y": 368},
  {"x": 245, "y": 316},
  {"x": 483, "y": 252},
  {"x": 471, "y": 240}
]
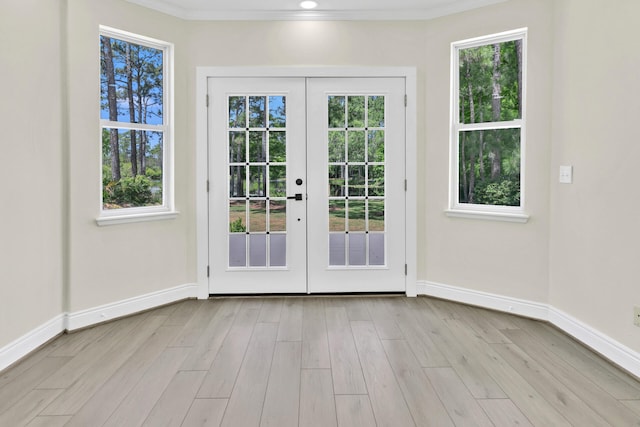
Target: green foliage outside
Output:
[
  {"x": 490, "y": 91},
  {"x": 129, "y": 192}
]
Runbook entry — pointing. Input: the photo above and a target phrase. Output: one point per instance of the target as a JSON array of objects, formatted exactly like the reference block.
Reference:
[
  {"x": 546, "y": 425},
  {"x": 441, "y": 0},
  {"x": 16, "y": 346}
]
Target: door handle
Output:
[{"x": 298, "y": 196}]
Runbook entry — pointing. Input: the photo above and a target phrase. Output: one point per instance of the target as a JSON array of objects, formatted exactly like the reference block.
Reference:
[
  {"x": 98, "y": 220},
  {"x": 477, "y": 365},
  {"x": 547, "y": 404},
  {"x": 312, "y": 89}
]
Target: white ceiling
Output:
[{"x": 327, "y": 9}]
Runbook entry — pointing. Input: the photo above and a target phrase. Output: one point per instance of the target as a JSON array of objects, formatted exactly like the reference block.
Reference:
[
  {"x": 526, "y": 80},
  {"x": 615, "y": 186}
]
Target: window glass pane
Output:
[
  {"x": 237, "y": 112},
  {"x": 132, "y": 168},
  {"x": 277, "y": 215},
  {"x": 336, "y": 215},
  {"x": 490, "y": 79},
  {"x": 277, "y": 147},
  {"x": 489, "y": 167},
  {"x": 131, "y": 82},
  {"x": 376, "y": 111},
  {"x": 357, "y": 215},
  {"x": 257, "y": 111},
  {"x": 336, "y": 112},
  {"x": 237, "y": 147},
  {"x": 355, "y": 142},
  {"x": 237, "y": 181},
  {"x": 237, "y": 216},
  {"x": 356, "y": 111},
  {"x": 277, "y": 111},
  {"x": 336, "y": 146},
  {"x": 376, "y": 146},
  {"x": 257, "y": 147}
]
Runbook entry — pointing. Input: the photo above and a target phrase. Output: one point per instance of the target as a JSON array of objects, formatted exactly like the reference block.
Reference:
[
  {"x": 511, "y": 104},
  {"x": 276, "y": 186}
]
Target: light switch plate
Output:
[{"x": 566, "y": 174}]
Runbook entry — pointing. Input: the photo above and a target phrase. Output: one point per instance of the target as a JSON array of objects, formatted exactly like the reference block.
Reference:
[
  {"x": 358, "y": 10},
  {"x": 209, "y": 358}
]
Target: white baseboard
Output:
[
  {"x": 613, "y": 350},
  {"x": 24, "y": 345},
  {"x": 92, "y": 316}
]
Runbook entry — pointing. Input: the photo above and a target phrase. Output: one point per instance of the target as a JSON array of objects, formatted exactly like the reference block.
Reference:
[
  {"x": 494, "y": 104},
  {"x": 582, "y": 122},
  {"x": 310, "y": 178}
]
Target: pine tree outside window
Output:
[
  {"x": 136, "y": 126},
  {"x": 488, "y": 125}
]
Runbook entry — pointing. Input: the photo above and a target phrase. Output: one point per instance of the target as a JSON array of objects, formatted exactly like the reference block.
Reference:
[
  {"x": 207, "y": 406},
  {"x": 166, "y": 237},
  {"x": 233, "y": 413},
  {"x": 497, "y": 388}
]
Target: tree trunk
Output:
[
  {"x": 107, "y": 53},
  {"x": 132, "y": 111}
]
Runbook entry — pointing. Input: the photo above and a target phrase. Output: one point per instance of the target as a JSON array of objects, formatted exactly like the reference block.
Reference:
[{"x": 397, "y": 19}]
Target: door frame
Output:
[{"x": 202, "y": 153}]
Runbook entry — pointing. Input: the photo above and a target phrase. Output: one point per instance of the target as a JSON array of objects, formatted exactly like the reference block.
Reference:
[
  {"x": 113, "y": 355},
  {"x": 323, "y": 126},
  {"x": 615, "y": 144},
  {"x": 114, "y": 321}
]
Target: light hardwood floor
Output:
[{"x": 318, "y": 361}]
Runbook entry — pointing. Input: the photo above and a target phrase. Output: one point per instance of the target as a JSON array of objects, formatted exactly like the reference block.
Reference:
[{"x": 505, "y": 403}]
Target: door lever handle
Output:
[{"x": 298, "y": 196}]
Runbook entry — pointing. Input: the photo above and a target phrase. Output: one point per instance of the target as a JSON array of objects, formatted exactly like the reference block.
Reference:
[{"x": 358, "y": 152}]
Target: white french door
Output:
[{"x": 307, "y": 190}]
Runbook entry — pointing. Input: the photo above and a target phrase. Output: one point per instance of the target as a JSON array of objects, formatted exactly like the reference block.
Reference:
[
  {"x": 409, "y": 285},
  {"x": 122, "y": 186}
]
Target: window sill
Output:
[
  {"x": 142, "y": 217},
  {"x": 488, "y": 216}
]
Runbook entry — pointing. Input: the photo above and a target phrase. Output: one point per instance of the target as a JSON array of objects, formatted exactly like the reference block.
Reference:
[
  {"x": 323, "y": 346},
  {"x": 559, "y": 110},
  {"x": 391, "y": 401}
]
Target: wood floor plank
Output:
[
  {"x": 502, "y": 412},
  {"x": 357, "y": 308},
  {"x": 173, "y": 405},
  {"x": 315, "y": 344},
  {"x": 281, "y": 403},
  {"x": 389, "y": 406},
  {"x": 478, "y": 320},
  {"x": 19, "y": 368},
  {"x": 290, "y": 326},
  {"x": 271, "y": 310},
  {"x": 80, "y": 364},
  {"x": 223, "y": 372},
  {"x": 384, "y": 321},
  {"x": 28, "y": 407},
  {"x": 613, "y": 411},
  {"x": 557, "y": 394},
  {"x": 206, "y": 349},
  {"x": 81, "y": 340},
  {"x": 345, "y": 364},
  {"x": 354, "y": 411},
  {"x": 417, "y": 334},
  {"x": 50, "y": 421},
  {"x": 183, "y": 312},
  {"x": 317, "y": 404},
  {"x": 23, "y": 383},
  {"x": 75, "y": 396},
  {"x": 634, "y": 405},
  {"x": 247, "y": 399},
  {"x": 139, "y": 402},
  {"x": 205, "y": 412},
  {"x": 462, "y": 407},
  {"x": 110, "y": 395},
  {"x": 423, "y": 401},
  {"x": 614, "y": 381},
  {"x": 196, "y": 325}
]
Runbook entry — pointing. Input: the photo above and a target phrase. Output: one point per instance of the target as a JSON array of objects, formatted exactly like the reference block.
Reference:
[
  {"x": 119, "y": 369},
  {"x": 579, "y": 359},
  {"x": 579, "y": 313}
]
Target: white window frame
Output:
[
  {"x": 167, "y": 209},
  {"x": 480, "y": 211}
]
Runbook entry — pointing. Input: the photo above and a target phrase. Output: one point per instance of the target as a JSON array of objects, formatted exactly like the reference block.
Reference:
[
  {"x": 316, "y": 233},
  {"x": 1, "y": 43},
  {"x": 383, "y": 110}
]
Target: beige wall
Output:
[
  {"x": 31, "y": 236},
  {"x": 595, "y": 236},
  {"x": 113, "y": 263}
]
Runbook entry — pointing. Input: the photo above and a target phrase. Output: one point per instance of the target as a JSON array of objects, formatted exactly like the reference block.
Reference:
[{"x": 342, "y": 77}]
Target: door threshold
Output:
[{"x": 303, "y": 295}]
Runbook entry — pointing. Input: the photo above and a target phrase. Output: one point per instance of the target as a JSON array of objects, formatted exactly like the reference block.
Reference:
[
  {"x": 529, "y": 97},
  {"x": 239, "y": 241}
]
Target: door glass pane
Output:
[
  {"x": 257, "y": 250},
  {"x": 337, "y": 249},
  {"x": 237, "y": 112},
  {"x": 357, "y": 215},
  {"x": 237, "y": 181},
  {"x": 356, "y": 111},
  {"x": 336, "y": 181},
  {"x": 277, "y": 147},
  {"x": 237, "y": 147},
  {"x": 376, "y": 111},
  {"x": 376, "y": 249},
  {"x": 336, "y": 216},
  {"x": 376, "y": 146},
  {"x": 258, "y": 216},
  {"x": 376, "y": 215},
  {"x": 357, "y": 181},
  {"x": 257, "y": 110},
  {"x": 356, "y": 146},
  {"x": 277, "y": 112},
  {"x": 336, "y": 112},
  {"x": 277, "y": 181},
  {"x": 277, "y": 250},
  {"x": 257, "y": 159},
  {"x": 357, "y": 249},
  {"x": 277, "y": 215},
  {"x": 375, "y": 184},
  {"x": 336, "y": 146}
]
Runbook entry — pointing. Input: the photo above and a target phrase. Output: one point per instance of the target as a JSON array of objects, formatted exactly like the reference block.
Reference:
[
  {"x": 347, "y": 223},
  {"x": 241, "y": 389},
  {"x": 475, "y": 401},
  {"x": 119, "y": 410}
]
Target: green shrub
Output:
[
  {"x": 237, "y": 226},
  {"x": 128, "y": 192}
]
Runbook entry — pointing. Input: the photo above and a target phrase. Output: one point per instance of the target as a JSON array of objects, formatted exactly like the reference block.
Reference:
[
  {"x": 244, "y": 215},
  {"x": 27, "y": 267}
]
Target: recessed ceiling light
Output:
[{"x": 308, "y": 4}]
